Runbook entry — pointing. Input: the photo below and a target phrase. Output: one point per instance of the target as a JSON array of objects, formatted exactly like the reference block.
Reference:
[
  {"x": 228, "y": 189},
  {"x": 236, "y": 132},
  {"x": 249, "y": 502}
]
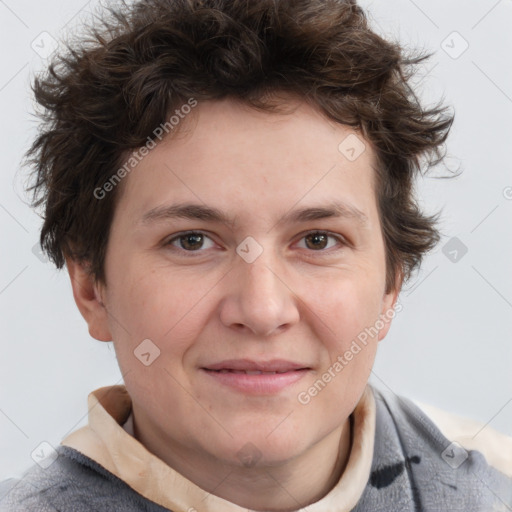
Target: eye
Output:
[
  {"x": 197, "y": 241},
  {"x": 191, "y": 241},
  {"x": 319, "y": 241}
]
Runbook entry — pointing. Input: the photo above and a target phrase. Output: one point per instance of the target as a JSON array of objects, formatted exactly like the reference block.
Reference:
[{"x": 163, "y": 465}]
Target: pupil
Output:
[
  {"x": 195, "y": 238},
  {"x": 318, "y": 237}
]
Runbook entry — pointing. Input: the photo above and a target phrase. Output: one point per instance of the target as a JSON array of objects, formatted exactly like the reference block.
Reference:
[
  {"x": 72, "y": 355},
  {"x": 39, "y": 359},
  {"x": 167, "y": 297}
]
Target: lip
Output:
[
  {"x": 230, "y": 374},
  {"x": 274, "y": 365}
]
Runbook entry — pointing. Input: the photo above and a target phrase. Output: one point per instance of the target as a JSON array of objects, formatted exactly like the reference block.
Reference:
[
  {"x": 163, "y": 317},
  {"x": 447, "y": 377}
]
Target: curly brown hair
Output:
[{"x": 120, "y": 80}]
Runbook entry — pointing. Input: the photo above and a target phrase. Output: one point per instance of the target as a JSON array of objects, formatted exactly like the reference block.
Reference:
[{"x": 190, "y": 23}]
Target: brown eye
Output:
[
  {"x": 319, "y": 241},
  {"x": 316, "y": 240},
  {"x": 190, "y": 242}
]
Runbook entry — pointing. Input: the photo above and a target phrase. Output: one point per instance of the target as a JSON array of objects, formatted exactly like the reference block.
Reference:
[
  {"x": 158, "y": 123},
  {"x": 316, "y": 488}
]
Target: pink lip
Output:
[
  {"x": 274, "y": 365},
  {"x": 259, "y": 384},
  {"x": 263, "y": 384}
]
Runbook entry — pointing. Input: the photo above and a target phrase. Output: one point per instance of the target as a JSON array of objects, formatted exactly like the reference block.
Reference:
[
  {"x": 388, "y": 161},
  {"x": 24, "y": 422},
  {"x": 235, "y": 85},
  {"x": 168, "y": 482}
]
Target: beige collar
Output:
[{"x": 105, "y": 441}]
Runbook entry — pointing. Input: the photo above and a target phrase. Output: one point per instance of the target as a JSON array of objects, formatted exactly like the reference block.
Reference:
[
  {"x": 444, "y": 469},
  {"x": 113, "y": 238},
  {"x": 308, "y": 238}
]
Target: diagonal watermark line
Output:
[
  {"x": 297, "y": 202},
  {"x": 106, "y": 308},
  {"x": 420, "y": 283},
  {"x": 188, "y": 312},
  {"x": 13, "y": 423},
  {"x": 373, "y": 372},
  {"x": 375, "y": 22},
  {"x": 199, "y": 403},
  {"x": 206, "y": 494},
  {"x": 89, "y": 410},
  {"x": 13, "y": 218},
  {"x": 280, "y": 423},
  {"x": 506, "y": 403},
  {"x": 170, "y": 170},
  {"x": 486, "y": 14},
  {"x": 22, "y": 479},
  {"x": 12, "y": 280},
  {"x": 422, "y": 77},
  {"x": 109, "y": 313},
  {"x": 13, "y": 13},
  {"x": 492, "y": 81},
  {"x": 76, "y": 14},
  {"x": 334, "y": 335},
  {"x": 406, "y": 404},
  {"x": 492, "y": 492},
  {"x": 301, "y": 508},
  {"x": 492, "y": 211},
  {"x": 424, "y": 13},
  {"x": 493, "y": 287},
  {"x": 13, "y": 77}
]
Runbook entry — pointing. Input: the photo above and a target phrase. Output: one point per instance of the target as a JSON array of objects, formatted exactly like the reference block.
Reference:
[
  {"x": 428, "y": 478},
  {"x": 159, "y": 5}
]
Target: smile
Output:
[
  {"x": 255, "y": 382},
  {"x": 249, "y": 372}
]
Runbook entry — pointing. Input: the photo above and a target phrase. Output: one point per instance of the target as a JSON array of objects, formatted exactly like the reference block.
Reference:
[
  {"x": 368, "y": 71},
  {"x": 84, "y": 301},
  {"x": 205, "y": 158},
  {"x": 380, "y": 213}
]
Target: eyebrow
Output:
[{"x": 192, "y": 211}]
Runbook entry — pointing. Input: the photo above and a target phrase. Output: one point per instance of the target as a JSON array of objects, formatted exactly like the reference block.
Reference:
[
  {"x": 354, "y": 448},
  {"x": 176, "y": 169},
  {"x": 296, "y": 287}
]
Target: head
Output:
[{"x": 225, "y": 120}]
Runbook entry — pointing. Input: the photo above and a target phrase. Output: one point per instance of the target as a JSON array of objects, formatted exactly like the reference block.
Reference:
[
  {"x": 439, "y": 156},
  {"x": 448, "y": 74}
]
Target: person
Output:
[{"x": 230, "y": 186}]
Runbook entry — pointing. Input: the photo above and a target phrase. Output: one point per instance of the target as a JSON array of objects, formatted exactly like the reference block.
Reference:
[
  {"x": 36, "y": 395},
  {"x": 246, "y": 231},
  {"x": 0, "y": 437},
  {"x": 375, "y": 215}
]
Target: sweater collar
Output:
[{"x": 109, "y": 444}]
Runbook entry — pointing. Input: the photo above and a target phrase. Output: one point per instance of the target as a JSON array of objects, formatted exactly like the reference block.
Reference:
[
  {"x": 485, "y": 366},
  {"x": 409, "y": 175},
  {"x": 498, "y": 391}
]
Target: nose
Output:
[{"x": 259, "y": 301}]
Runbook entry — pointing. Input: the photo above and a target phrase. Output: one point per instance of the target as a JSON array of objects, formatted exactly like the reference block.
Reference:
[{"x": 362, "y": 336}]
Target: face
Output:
[{"x": 261, "y": 272}]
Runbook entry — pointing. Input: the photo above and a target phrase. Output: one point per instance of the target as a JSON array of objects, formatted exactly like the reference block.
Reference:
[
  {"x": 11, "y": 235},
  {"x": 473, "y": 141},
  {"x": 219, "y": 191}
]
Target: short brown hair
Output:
[{"x": 112, "y": 88}]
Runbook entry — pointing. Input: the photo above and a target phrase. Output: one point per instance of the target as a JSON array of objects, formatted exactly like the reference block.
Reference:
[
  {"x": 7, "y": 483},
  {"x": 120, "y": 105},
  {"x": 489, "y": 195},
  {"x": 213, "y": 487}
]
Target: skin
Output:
[{"x": 299, "y": 300}]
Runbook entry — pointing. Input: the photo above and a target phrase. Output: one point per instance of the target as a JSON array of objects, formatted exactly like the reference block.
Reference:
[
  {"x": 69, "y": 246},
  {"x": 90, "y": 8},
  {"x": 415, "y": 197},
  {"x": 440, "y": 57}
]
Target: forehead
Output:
[{"x": 230, "y": 156}]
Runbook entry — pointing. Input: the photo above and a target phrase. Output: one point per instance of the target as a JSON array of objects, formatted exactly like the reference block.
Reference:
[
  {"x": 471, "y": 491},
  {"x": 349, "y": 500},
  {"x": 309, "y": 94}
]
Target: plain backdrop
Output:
[{"x": 449, "y": 347}]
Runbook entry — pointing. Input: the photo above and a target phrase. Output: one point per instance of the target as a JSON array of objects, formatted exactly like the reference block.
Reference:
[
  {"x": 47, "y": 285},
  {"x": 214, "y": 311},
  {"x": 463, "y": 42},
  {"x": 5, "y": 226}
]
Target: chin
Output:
[{"x": 263, "y": 450}]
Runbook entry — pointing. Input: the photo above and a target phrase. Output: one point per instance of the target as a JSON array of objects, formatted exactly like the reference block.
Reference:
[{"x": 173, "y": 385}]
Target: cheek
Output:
[
  {"x": 148, "y": 302},
  {"x": 344, "y": 317},
  {"x": 343, "y": 308}
]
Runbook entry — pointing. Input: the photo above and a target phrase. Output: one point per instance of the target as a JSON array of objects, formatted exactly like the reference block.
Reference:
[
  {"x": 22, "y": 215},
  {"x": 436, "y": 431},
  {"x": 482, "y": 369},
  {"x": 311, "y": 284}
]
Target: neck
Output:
[{"x": 276, "y": 487}]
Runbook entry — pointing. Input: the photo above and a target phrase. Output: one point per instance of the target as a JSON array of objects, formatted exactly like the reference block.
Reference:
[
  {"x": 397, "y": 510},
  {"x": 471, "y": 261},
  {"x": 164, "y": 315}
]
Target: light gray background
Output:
[{"x": 450, "y": 346}]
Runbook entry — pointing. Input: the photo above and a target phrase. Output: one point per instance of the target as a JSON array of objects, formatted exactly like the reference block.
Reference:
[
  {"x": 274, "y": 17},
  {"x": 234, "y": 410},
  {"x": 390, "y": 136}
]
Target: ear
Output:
[
  {"x": 389, "y": 306},
  {"x": 88, "y": 297}
]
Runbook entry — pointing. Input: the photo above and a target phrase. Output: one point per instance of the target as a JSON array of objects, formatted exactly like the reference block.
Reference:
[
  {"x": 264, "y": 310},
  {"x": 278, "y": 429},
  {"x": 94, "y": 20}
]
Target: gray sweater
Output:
[{"x": 414, "y": 468}]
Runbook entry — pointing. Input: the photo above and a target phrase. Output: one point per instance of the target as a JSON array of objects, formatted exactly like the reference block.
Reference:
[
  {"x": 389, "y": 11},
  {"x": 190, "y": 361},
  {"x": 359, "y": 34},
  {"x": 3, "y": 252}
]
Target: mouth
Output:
[
  {"x": 256, "y": 377},
  {"x": 249, "y": 372},
  {"x": 252, "y": 367}
]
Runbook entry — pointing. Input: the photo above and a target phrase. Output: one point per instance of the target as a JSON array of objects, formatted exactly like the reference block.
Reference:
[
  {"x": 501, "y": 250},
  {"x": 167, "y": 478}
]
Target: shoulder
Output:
[
  {"x": 449, "y": 453},
  {"x": 71, "y": 482},
  {"x": 495, "y": 446},
  {"x": 466, "y": 433}
]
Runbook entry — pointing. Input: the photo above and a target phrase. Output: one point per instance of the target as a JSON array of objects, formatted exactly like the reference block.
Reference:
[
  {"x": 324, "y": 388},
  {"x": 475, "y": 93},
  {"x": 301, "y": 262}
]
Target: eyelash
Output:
[{"x": 169, "y": 242}]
